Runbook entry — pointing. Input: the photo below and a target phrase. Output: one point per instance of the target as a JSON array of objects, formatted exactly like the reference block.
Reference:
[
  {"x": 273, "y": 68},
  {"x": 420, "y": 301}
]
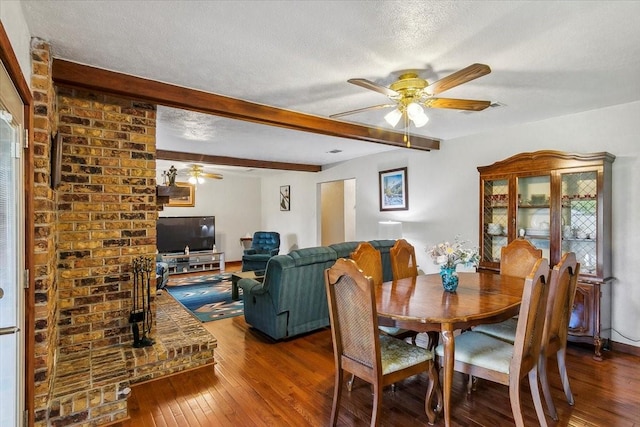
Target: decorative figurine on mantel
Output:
[{"x": 171, "y": 176}]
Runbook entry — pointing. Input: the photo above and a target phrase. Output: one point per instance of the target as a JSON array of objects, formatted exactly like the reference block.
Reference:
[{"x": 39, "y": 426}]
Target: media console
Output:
[{"x": 194, "y": 261}]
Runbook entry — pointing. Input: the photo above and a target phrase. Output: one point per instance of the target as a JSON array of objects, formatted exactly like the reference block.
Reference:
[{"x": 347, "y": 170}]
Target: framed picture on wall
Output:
[
  {"x": 186, "y": 201},
  {"x": 285, "y": 198},
  {"x": 394, "y": 195}
]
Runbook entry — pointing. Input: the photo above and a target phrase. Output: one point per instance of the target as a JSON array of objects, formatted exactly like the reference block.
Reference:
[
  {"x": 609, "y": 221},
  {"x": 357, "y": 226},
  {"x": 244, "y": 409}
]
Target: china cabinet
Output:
[{"x": 561, "y": 202}]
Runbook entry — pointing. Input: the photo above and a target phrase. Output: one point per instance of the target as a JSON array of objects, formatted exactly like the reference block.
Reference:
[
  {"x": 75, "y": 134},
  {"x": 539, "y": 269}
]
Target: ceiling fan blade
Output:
[
  {"x": 456, "y": 104},
  {"x": 211, "y": 175},
  {"x": 459, "y": 77},
  {"x": 361, "y": 110},
  {"x": 368, "y": 84}
]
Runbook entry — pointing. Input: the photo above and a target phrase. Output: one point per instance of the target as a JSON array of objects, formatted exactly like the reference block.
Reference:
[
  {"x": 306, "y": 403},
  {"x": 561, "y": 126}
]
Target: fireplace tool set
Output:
[{"x": 141, "y": 315}]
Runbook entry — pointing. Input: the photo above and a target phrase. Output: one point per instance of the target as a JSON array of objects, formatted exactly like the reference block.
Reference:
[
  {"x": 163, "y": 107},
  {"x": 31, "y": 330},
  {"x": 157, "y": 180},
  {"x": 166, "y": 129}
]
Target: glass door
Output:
[
  {"x": 533, "y": 216},
  {"x": 495, "y": 215},
  {"x": 11, "y": 257},
  {"x": 580, "y": 218}
]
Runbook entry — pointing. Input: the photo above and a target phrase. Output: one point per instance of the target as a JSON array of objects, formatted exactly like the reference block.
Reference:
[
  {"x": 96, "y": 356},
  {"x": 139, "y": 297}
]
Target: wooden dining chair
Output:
[
  {"x": 563, "y": 281},
  {"x": 369, "y": 261},
  {"x": 518, "y": 257},
  {"x": 403, "y": 260},
  {"x": 492, "y": 359},
  {"x": 359, "y": 348},
  {"x": 403, "y": 265}
]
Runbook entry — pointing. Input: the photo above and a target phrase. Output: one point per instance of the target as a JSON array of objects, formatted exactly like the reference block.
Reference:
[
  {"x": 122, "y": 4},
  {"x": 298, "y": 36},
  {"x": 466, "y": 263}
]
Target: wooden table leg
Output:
[{"x": 449, "y": 357}]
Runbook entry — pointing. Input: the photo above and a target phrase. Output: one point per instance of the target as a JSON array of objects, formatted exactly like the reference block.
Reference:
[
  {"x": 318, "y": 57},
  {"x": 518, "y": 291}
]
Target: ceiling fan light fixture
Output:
[
  {"x": 416, "y": 114},
  {"x": 420, "y": 120},
  {"x": 414, "y": 110},
  {"x": 193, "y": 180},
  {"x": 393, "y": 117}
]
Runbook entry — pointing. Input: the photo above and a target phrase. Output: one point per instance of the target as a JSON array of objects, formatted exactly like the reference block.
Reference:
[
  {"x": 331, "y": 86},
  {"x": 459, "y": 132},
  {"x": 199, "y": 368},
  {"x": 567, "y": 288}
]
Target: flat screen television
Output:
[{"x": 175, "y": 233}]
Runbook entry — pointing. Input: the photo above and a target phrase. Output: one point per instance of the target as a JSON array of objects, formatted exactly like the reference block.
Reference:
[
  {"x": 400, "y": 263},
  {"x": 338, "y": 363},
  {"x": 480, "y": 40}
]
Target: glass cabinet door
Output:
[
  {"x": 495, "y": 215},
  {"x": 533, "y": 216},
  {"x": 580, "y": 218}
]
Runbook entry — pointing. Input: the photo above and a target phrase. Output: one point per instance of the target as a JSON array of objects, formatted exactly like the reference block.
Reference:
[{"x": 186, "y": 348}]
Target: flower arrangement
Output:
[{"x": 449, "y": 255}]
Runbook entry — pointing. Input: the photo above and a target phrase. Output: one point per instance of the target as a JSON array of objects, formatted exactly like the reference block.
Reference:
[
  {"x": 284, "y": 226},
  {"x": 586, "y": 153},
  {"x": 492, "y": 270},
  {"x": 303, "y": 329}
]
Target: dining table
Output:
[{"x": 421, "y": 304}]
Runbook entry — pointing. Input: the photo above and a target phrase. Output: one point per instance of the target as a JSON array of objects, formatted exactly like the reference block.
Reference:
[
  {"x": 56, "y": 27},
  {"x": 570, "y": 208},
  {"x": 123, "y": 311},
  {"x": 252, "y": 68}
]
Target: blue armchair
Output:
[{"x": 264, "y": 245}]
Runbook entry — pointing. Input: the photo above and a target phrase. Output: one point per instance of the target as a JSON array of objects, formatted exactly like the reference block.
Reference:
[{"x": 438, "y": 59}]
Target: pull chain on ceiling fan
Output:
[{"x": 412, "y": 94}]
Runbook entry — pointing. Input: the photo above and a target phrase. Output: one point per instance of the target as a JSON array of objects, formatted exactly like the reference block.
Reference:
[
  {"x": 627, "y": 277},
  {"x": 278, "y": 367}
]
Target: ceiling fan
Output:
[
  {"x": 197, "y": 174},
  {"x": 411, "y": 94}
]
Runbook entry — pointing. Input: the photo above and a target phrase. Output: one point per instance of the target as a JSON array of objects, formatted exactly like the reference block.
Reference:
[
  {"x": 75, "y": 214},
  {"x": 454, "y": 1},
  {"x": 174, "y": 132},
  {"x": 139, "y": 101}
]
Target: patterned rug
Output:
[{"x": 207, "y": 297}]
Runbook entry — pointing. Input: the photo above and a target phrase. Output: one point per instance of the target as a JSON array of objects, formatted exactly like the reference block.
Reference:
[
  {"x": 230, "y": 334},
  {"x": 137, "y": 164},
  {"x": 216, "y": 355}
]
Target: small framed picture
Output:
[
  {"x": 394, "y": 195},
  {"x": 186, "y": 201},
  {"x": 285, "y": 198}
]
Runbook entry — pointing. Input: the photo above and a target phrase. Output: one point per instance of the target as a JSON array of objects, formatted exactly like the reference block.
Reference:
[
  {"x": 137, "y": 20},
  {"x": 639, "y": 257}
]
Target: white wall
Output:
[
  {"x": 16, "y": 28},
  {"x": 235, "y": 201},
  {"x": 443, "y": 192}
]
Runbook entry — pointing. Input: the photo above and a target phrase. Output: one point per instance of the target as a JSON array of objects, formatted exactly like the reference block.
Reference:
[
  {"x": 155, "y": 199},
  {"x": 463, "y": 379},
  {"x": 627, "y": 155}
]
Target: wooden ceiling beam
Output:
[
  {"x": 73, "y": 74},
  {"x": 234, "y": 161}
]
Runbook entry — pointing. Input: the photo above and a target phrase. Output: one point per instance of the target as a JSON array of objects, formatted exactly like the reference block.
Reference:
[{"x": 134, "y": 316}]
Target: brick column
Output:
[{"x": 45, "y": 228}]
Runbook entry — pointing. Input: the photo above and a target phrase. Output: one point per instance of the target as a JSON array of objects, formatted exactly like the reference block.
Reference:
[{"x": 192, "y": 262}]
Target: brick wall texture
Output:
[
  {"x": 106, "y": 214},
  {"x": 45, "y": 226},
  {"x": 88, "y": 231}
]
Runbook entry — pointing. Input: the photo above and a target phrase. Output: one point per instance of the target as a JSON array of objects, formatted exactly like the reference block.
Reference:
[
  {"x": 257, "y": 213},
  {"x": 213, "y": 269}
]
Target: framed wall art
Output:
[
  {"x": 285, "y": 198},
  {"x": 394, "y": 194},
  {"x": 187, "y": 201}
]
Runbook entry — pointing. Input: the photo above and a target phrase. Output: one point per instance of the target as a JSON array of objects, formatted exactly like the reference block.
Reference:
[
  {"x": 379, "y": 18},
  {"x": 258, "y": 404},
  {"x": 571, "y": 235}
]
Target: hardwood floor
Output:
[{"x": 257, "y": 382}]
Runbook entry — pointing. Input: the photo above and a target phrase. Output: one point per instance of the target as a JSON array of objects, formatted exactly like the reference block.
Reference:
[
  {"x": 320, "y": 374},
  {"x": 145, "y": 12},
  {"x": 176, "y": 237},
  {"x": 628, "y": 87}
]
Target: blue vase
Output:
[{"x": 449, "y": 278}]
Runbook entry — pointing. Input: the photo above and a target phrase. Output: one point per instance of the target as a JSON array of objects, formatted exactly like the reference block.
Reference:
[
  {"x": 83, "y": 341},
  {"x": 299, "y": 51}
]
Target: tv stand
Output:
[{"x": 194, "y": 261}]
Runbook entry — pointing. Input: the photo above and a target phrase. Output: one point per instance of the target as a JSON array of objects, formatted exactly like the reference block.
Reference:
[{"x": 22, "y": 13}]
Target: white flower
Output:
[{"x": 449, "y": 255}]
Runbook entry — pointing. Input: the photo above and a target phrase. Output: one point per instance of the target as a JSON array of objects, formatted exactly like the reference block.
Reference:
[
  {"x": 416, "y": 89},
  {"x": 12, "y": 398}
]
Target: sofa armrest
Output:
[
  {"x": 252, "y": 287},
  {"x": 274, "y": 252}
]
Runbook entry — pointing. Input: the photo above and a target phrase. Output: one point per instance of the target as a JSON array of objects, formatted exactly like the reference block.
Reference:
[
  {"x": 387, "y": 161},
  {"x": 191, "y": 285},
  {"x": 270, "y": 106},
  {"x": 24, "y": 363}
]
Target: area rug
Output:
[{"x": 207, "y": 297}]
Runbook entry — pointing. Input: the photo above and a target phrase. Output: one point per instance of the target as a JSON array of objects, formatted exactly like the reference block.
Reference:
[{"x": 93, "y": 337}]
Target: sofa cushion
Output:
[{"x": 315, "y": 255}]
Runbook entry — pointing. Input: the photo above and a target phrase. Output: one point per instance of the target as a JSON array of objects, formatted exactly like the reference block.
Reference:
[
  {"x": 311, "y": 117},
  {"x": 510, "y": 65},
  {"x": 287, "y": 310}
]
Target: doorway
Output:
[
  {"x": 12, "y": 265},
  {"x": 337, "y": 211}
]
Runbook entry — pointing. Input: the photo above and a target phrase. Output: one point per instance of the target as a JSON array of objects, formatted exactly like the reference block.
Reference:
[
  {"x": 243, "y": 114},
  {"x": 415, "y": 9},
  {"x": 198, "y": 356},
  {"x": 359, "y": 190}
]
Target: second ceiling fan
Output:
[
  {"x": 197, "y": 174},
  {"x": 411, "y": 94}
]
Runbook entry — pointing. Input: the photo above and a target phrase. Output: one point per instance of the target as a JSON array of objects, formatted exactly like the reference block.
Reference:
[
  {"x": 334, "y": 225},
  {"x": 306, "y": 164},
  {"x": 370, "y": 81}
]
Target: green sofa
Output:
[{"x": 291, "y": 299}]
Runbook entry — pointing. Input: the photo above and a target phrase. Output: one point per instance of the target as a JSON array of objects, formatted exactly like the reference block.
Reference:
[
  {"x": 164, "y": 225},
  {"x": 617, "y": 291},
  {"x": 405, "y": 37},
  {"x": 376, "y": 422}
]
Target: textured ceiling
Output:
[{"x": 547, "y": 58}]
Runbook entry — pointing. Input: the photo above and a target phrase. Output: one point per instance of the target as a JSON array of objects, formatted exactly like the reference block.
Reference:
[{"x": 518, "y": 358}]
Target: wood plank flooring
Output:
[{"x": 257, "y": 382}]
